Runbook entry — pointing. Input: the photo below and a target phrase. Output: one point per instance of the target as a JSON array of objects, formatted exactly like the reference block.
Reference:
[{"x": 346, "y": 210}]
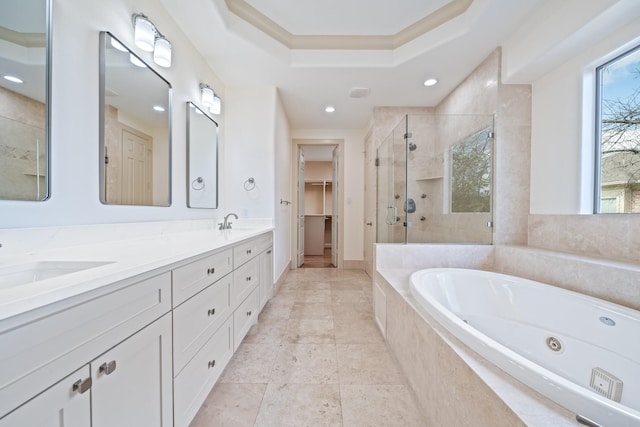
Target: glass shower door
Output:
[{"x": 391, "y": 186}]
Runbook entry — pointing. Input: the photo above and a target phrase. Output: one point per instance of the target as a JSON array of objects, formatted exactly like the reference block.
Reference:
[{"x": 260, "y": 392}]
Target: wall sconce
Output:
[
  {"x": 210, "y": 100},
  {"x": 148, "y": 38}
]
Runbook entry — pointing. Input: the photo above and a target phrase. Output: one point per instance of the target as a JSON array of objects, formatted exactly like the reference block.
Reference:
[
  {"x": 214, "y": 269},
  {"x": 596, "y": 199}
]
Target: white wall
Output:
[
  {"x": 562, "y": 140},
  {"x": 284, "y": 214},
  {"x": 257, "y": 131},
  {"x": 250, "y": 131},
  {"x": 74, "y": 138},
  {"x": 352, "y": 185}
]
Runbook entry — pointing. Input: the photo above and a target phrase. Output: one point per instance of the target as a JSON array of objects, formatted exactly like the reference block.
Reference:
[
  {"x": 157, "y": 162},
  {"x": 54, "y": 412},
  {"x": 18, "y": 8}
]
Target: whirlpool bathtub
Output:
[{"x": 581, "y": 352}]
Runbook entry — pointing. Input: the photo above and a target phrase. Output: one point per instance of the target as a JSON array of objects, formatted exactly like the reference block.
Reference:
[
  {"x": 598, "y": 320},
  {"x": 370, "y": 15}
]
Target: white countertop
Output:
[{"x": 128, "y": 262}]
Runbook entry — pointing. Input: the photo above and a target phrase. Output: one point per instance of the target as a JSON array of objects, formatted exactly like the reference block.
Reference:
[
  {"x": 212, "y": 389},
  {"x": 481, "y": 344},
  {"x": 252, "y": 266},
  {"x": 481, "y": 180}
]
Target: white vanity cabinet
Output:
[
  {"x": 266, "y": 276},
  {"x": 132, "y": 382},
  {"x": 66, "y": 403},
  {"x": 108, "y": 356},
  {"x": 211, "y": 316},
  {"x": 140, "y": 350}
]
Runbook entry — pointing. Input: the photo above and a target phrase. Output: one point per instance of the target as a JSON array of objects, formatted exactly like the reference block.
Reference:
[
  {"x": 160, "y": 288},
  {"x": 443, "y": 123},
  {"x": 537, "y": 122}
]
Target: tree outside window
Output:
[{"x": 618, "y": 84}]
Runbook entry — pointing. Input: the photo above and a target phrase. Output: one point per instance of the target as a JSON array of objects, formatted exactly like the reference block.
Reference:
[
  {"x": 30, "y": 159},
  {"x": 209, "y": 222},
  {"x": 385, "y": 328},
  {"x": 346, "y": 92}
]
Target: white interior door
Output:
[
  {"x": 300, "y": 207},
  {"x": 137, "y": 154},
  {"x": 335, "y": 186}
]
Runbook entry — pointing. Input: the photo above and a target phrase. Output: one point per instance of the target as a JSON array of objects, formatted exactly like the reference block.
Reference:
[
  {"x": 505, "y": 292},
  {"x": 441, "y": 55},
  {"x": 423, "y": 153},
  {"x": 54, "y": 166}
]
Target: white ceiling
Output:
[{"x": 257, "y": 42}]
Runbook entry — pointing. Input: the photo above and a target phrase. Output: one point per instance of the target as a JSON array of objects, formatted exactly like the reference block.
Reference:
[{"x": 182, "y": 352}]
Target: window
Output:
[{"x": 618, "y": 134}]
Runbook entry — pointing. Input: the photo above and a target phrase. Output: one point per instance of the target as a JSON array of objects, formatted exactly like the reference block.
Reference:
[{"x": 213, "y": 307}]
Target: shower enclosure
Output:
[{"x": 434, "y": 180}]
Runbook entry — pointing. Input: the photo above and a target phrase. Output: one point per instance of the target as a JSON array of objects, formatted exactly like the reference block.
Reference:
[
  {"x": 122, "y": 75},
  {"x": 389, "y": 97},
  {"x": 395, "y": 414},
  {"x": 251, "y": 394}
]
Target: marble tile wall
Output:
[
  {"x": 447, "y": 389},
  {"x": 611, "y": 281},
  {"x": 415, "y": 257},
  {"x": 606, "y": 236},
  {"x": 22, "y": 149},
  {"x": 482, "y": 92}
]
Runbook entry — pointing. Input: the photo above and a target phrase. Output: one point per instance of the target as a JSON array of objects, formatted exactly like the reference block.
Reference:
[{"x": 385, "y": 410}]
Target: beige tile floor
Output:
[{"x": 315, "y": 358}]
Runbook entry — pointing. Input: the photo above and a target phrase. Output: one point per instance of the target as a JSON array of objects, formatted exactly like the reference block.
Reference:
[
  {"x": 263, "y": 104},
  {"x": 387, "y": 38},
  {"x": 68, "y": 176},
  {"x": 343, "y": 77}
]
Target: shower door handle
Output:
[{"x": 394, "y": 216}]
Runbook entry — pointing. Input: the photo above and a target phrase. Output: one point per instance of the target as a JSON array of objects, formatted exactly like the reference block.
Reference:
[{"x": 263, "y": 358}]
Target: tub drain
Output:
[{"x": 554, "y": 344}]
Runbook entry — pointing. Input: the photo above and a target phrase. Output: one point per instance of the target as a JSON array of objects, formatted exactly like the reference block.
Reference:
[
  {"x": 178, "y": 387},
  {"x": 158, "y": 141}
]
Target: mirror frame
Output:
[
  {"x": 101, "y": 123},
  {"x": 48, "y": 31},
  {"x": 189, "y": 152}
]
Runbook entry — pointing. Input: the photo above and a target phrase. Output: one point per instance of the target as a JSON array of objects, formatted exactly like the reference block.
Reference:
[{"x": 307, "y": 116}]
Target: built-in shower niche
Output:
[{"x": 444, "y": 164}]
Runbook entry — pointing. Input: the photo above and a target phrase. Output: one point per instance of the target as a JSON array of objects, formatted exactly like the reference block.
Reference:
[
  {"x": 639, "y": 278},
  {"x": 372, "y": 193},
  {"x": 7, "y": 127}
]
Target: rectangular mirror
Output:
[
  {"x": 25, "y": 28},
  {"x": 202, "y": 167},
  {"x": 135, "y": 129}
]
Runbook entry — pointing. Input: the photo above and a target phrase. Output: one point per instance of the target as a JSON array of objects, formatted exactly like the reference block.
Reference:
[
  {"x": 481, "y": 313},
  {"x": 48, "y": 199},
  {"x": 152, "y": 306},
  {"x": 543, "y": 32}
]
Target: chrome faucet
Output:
[{"x": 226, "y": 225}]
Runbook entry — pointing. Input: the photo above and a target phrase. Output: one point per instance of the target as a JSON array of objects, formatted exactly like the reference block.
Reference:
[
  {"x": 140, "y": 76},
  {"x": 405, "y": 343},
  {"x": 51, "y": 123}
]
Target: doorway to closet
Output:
[{"x": 318, "y": 218}]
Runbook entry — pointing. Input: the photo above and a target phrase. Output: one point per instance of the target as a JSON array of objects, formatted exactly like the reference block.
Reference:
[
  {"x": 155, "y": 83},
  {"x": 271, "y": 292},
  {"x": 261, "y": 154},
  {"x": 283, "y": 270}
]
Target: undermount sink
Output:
[{"x": 22, "y": 274}]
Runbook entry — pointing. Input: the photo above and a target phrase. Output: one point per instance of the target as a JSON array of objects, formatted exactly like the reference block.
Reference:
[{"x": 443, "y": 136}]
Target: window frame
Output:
[{"x": 598, "y": 128}]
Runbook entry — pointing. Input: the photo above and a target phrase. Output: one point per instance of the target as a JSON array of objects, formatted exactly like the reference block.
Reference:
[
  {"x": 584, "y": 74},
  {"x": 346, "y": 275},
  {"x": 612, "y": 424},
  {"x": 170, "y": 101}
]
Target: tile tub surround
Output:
[
  {"x": 617, "y": 282},
  {"x": 454, "y": 385},
  {"x": 315, "y": 358},
  {"x": 433, "y": 360}
]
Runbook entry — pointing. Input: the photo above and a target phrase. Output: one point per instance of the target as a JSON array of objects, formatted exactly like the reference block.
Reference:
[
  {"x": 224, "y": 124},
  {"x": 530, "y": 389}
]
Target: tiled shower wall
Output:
[{"x": 481, "y": 93}]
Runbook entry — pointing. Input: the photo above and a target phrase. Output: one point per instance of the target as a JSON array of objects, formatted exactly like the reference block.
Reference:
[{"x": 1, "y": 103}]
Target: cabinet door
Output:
[
  {"x": 266, "y": 277},
  {"x": 62, "y": 405},
  {"x": 245, "y": 316},
  {"x": 132, "y": 383}
]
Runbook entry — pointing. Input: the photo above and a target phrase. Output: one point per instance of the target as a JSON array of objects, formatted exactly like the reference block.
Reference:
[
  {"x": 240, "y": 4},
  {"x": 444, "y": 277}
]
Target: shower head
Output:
[{"x": 412, "y": 146}]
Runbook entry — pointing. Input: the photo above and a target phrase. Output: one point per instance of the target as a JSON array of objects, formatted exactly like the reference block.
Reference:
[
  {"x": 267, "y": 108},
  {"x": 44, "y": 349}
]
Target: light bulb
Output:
[
  {"x": 216, "y": 108},
  {"x": 162, "y": 52},
  {"x": 206, "y": 94},
  {"x": 144, "y": 33}
]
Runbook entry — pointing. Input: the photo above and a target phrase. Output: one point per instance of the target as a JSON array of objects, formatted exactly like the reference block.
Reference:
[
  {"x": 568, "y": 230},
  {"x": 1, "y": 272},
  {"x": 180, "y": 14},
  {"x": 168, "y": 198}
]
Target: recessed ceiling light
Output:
[
  {"x": 430, "y": 82},
  {"x": 330, "y": 109},
  {"x": 158, "y": 108},
  {"x": 14, "y": 79}
]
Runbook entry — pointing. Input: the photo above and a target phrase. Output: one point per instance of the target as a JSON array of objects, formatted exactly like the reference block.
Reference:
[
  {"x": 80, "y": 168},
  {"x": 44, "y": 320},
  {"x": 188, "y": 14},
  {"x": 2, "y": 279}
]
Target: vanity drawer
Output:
[
  {"x": 190, "y": 279},
  {"x": 193, "y": 384},
  {"x": 244, "y": 317},
  {"x": 34, "y": 356},
  {"x": 197, "y": 319},
  {"x": 245, "y": 279},
  {"x": 248, "y": 250}
]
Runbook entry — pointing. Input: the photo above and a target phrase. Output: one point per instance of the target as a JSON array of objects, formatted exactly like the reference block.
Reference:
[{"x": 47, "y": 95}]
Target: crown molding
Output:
[{"x": 253, "y": 16}]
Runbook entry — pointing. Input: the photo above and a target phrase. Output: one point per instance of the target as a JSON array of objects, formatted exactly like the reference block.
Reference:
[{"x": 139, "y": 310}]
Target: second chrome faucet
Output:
[{"x": 226, "y": 225}]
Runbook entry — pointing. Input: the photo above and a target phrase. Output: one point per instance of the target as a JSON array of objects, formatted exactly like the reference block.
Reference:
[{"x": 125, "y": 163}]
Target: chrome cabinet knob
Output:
[
  {"x": 108, "y": 367},
  {"x": 82, "y": 386}
]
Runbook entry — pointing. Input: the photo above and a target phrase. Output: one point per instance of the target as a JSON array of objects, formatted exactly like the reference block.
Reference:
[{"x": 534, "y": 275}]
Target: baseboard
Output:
[
  {"x": 353, "y": 264},
  {"x": 280, "y": 280}
]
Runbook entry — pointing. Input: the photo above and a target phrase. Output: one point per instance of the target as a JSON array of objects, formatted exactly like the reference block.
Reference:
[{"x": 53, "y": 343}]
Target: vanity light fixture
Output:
[
  {"x": 206, "y": 95},
  {"x": 148, "y": 38},
  {"x": 209, "y": 99},
  {"x": 216, "y": 108},
  {"x": 162, "y": 52}
]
